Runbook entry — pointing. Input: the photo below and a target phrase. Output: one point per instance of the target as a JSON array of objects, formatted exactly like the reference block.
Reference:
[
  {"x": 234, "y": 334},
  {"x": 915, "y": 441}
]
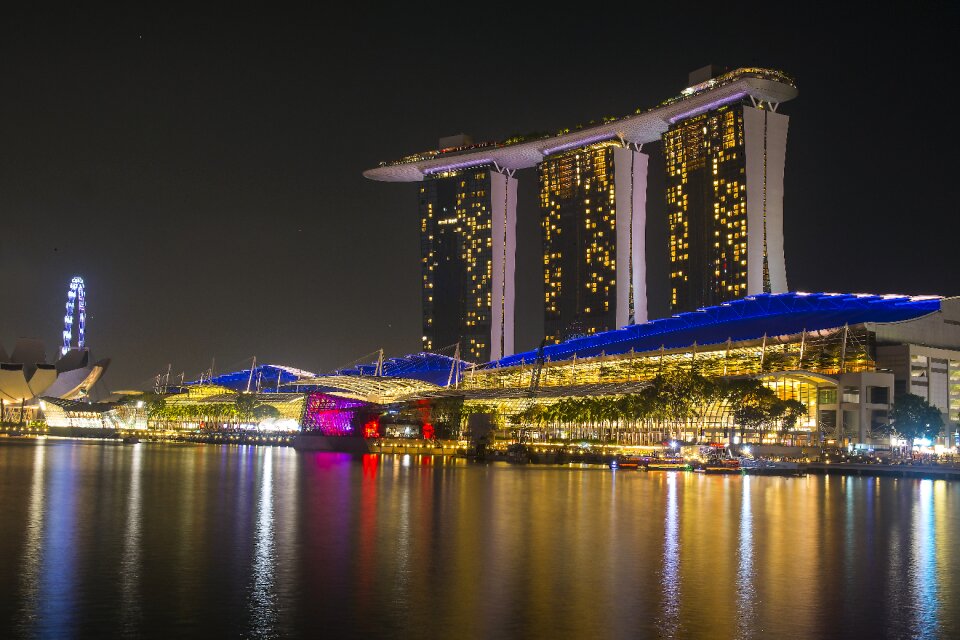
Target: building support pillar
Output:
[
  {"x": 630, "y": 192},
  {"x": 765, "y": 134},
  {"x": 503, "y": 205}
]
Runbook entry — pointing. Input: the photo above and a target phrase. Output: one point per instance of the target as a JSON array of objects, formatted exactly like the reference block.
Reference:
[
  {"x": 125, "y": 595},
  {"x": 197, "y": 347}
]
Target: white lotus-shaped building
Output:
[{"x": 26, "y": 375}]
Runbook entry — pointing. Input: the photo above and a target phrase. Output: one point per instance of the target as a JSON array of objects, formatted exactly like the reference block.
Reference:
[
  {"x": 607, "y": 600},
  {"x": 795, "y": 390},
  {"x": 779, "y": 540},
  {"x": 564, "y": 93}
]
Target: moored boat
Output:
[
  {"x": 727, "y": 466},
  {"x": 667, "y": 464},
  {"x": 626, "y": 462},
  {"x": 313, "y": 441}
]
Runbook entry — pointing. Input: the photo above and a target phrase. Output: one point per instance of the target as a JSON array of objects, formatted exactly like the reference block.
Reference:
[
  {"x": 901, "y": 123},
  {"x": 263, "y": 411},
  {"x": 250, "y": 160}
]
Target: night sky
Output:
[{"x": 203, "y": 172}]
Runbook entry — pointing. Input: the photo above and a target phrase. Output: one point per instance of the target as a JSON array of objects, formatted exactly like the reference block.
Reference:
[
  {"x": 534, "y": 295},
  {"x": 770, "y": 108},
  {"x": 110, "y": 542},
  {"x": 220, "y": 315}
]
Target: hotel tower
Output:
[
  {"x": 467, "y": 223},
  {"x": 593, "y": 207},
  {"x": 724, "y": 190},
  {"x": 724, "y": 144}
]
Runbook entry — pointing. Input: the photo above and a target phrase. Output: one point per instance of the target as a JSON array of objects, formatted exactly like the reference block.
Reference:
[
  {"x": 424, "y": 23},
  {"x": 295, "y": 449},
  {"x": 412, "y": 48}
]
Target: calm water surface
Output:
[{"x": 101, "y": 540}]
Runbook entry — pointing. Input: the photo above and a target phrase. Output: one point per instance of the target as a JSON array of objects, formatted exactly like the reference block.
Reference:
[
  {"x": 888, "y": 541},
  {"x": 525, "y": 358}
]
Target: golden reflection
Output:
[
  {"x": 263, "y": 600},
  {"x": 746, "y": 591},
  {"x": 670, "y": 574},
  {"x": 33, "y": 549},
  {"x": 130, "y": 563}
]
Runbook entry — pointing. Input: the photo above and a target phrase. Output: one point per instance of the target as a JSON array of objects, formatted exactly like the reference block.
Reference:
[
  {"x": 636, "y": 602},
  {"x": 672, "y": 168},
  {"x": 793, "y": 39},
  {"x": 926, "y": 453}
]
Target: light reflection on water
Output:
[
  {"x": 130, "y": 597},
  {"x": 923, "y": 572},
  {"x": 170, "y": 541},
  {"x": 33, "y": 547},
  {"x": 746, "y": 595},
  {"x": 57, "y": 593},
  {"x": 670, "y": 575},
  {"x": 263, "y": 600}
]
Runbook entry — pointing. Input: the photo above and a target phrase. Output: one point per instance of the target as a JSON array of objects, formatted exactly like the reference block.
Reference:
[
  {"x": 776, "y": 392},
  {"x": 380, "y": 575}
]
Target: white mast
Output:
[{"x": 250, "y": 379}]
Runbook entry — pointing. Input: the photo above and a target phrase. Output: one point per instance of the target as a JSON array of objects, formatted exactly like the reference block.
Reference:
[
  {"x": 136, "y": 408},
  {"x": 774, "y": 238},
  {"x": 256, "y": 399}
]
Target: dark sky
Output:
[{"x": 203, "y": 172}]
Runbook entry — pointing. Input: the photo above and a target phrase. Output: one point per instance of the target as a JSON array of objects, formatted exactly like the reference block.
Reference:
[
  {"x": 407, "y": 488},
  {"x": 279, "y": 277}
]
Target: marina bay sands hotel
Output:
[{"x": 724, "y": 144}]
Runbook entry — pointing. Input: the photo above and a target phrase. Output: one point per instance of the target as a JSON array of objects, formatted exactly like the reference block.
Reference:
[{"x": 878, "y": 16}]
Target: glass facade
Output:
[
  {"x": 578, "y": 219},
  {"x": 455, "y": 253},
  {"x": 706, "y": 191}
]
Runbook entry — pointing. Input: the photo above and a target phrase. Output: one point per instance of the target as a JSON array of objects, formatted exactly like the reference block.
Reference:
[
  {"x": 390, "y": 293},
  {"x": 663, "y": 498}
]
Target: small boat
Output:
[
  {"x": 721, "y": 467},
  {"x": 518, "y": 454},
  {"x": 626, "y": 462},
  {"x": 772, "y": 468},
  {"x": 131, "y": 440},
  {"x": 718, "y": 462},
  {"x": 667, "y": 464}
]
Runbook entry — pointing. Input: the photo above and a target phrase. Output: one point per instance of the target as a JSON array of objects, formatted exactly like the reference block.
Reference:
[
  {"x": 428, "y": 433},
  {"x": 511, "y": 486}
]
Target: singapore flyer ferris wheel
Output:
[{"x": 76, "y": 301}]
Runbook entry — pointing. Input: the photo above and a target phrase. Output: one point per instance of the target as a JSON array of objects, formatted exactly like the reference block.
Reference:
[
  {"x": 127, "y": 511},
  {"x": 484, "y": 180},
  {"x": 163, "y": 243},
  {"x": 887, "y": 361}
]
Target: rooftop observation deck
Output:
[{"x": 521, "y": 152}]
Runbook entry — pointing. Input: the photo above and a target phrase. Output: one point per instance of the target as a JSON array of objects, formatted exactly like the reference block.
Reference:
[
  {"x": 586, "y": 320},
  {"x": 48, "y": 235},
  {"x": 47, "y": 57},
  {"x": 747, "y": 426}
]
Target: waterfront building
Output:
[
  {"x": 25, "y": 374},
  {"x": 846, "y": 357},
  {"x": 593, "y": 204},
  {"x": 69, "y": 417},
  {"x": 271, "y": 397},
  {"x": 594, "y": 258},
  {"x": 724, "y": 194}
]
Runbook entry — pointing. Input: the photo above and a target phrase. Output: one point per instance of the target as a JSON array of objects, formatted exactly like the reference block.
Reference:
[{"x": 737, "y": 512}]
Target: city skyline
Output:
[{"x": 224, "y": 224}]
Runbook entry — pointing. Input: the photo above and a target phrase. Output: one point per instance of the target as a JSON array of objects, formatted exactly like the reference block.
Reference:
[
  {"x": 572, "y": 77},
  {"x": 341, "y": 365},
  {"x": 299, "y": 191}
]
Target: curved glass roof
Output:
[{"x": 745, "y": 319}]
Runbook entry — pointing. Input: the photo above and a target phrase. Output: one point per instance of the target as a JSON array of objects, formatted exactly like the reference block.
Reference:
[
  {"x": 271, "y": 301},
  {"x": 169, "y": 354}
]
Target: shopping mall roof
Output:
[
  {"x": 645, "y": 126},
  {"x": 427, "y": 367},
  {"x": 749, "y": 318},
  {"x": 265, "y": 377}
]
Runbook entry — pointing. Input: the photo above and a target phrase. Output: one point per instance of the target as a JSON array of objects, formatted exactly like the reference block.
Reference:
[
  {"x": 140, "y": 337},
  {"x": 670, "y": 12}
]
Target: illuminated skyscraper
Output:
[
  {"x": 467, "y": 222},
  {"x": 723, "y": 139},
  {"x": 592, "y": 202},
  {"x": 724, "y": 188}
]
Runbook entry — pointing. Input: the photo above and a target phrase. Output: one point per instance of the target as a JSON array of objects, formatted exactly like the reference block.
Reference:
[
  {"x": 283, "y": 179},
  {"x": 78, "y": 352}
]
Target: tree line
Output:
[
  {"x": 244, "y": 409},
  {"x": 673, "y": 404}
]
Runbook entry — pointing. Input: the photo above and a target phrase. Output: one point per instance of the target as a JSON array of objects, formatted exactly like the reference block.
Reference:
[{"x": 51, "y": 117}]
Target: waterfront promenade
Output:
[
  {"x": 191, "y": 540},
  {"x": 572, "y": 457}
]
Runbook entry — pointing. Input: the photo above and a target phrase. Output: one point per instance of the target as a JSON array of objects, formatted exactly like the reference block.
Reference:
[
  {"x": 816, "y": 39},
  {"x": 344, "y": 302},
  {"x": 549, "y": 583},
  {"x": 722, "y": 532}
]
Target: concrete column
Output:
[
  {"x": 630, "y": 192},
  {"x": 503, "y": 209},
  {"x": 765, "y": 137}
]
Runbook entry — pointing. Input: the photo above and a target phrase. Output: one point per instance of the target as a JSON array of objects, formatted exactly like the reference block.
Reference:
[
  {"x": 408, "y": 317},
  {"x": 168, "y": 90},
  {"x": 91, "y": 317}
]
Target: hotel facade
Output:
[{"x": 724, "y": 143}]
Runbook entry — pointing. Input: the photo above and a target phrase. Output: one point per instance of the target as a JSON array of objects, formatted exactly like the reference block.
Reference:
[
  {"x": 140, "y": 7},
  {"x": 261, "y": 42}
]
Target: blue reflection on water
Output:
[
  {"x": 57, "y": 569},
  {"x": 263, "y": 599}
]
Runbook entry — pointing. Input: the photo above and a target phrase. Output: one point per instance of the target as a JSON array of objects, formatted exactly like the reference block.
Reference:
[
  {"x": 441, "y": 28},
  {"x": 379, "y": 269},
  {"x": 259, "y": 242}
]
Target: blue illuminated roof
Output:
[
  {"x": 745, "y": 319},
  {"x": 265, "y": 378},
  {"x": 429, "y": 367}
]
